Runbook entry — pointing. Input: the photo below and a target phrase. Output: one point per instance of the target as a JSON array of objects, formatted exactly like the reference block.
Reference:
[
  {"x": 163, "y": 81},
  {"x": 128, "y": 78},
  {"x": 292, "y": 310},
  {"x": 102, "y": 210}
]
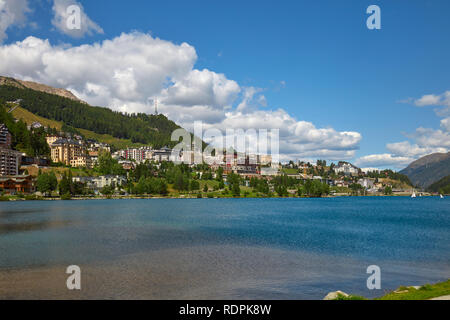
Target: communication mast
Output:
[{"x": 155, "y": 104}]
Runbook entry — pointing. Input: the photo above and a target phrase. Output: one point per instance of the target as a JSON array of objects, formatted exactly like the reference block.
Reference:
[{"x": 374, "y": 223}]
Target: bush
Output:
[
  {"x": 350, "y": 297},
  {"x": 4, "y": 198},
  {"x": 66, "y": 196},
  {"x": 32, "y": 197},
  {"x": 426, "y": 287},
  {"x": 199, "y": 195}
]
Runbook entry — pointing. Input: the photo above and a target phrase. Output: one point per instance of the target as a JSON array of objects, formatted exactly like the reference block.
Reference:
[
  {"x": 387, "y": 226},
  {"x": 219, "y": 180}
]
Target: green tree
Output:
[
  {"x": 107, "y": 165},
  {"x": 219, "y": 174},
  {"x": 234, "y": 181},
  {"x": 107, "y": 190},
  {"x": 281, "y": 190},
  {"x": 46, "y": 183},
  {"x": 195, "y": 185},
  {"x": 356, "y": 188},
  {"x": 66, "y": 184},
  {"x": 388, "y": 190}
]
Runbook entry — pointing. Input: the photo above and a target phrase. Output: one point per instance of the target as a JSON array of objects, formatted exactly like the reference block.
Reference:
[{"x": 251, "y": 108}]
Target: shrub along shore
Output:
[{"x": 437, "y": 291}]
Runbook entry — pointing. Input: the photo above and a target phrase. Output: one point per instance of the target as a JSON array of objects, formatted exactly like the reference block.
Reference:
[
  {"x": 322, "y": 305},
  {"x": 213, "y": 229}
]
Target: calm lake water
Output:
[{"x": 221, "y": 248}]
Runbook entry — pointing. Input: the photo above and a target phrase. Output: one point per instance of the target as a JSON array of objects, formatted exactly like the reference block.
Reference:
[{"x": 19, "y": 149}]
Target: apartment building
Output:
[
  {"x": 9, "y": 162},
  {"x": 5, "y": 137},
  {"x": 70, "y": 152},
  {"x": 9, "y": 159}
]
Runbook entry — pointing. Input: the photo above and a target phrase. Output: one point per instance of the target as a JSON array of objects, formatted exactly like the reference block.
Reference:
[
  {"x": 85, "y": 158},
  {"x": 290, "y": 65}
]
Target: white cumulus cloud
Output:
[
  {"x": 127, "y": 72},
  {"x": 61, "y": 15},
  {"x": 12, "y": 12},
  {"x": 442, "y": 100},
  {"x": 384, "y": 160},
  {"x": 445, "y": 124}
]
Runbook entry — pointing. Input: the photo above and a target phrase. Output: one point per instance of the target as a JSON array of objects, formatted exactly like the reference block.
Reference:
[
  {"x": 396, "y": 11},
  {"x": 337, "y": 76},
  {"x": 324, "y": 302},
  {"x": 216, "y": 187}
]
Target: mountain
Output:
[
  {"x": 6, "y": 81},
  {"x": 429, "y": 169},
  {"x": 153, "y": 130},
  {"x": 442, "y": 186}
]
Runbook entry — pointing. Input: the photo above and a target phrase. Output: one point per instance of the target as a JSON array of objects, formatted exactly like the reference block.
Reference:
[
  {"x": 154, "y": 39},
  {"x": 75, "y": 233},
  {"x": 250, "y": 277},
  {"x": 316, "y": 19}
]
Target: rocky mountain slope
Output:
[
  {"x": 429, "y": 169},
  {"x": 38, "y": 87}
]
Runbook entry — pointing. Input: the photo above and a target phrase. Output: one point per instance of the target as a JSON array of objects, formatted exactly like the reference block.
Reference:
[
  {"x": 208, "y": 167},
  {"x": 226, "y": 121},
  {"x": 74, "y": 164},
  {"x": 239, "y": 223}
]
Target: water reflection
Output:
[{"x": 32, "y": 226}]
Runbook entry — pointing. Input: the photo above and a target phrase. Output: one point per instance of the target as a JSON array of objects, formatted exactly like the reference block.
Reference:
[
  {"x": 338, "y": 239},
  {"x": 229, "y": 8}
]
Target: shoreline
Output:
[{"x": 190, "y": 197}]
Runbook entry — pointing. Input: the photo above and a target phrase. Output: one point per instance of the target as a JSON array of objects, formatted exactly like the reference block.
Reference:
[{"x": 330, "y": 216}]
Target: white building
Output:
[
  {"x": 269, "y": 171},
  {"x": 366, "y": 183},
  {"x": 346, "y": 168},
  {"x": 97, "y": 183}
]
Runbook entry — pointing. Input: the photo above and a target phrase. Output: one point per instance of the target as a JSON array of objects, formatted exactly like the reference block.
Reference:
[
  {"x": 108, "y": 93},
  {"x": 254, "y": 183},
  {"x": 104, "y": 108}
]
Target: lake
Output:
[{"x": 221, "y": 248}]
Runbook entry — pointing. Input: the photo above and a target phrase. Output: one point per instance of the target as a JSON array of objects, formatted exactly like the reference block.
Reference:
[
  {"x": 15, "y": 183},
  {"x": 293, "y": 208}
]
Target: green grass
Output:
[
  {"x": 425, "y": 292},
  {"x": 29, "y": 118},
  {"x": 290, "y": 171},
  {"x": 59, "y": 171},
  {"x": 350, "y": 297}
]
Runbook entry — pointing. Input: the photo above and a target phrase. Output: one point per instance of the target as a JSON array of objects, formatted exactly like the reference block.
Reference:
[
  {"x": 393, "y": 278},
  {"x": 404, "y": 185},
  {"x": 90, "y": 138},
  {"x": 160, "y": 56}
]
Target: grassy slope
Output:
[
  {"x": 59, "y": 171},
  {"x": 29, "y": 118},
  {"x": 444, "y": 184},
  {"x": 426, "y": 292}
]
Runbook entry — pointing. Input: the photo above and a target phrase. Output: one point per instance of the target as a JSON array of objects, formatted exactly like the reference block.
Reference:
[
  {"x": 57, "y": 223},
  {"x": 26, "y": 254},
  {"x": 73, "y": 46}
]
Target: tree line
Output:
[{"x": 142, "y": 128}]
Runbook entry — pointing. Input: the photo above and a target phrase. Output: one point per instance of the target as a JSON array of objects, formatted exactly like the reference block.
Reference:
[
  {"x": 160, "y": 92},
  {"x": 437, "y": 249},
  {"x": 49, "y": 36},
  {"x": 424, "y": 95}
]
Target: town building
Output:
[
  {"x": 264, "y": 159},
  {"x": 81, "y": 161},
  {"x": 163, "y": 154},
  {"x": 93, "y": 155},
  {"x": 52, "y": 139},
  {"x": 14, "y": 184},
  {"x": 37, "y": 161},
  {"x": 98, "y": 183},
  {"x": 97, "y": 146},
  {"x": 136, "y": 154},
  {"x": 127, "y": 164},
  {"x": 9, "y": 162},
  {"x": 346, "y": 168},
  {"x": 70, "y": 152},
  {"x": 367, "y": 183},
  {"x": 269, "y": 171},
  {"x": 5, "y": 137},
  {"x": 36, "y": 125}
]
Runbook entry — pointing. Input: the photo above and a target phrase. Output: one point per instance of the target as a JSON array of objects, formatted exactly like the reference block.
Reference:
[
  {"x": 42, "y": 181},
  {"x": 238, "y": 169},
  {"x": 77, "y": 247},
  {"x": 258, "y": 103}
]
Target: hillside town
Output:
[{"x": 77, "y": 167}]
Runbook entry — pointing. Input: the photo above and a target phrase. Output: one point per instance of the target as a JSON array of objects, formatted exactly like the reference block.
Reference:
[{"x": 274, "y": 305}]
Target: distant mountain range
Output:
[
  {"x": 428, "y": 170},
  {"x": 6, "y": 81}
]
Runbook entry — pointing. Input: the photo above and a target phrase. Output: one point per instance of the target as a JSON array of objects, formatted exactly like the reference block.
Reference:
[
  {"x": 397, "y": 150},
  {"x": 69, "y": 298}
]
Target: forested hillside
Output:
[
  {"x": 32, "y": 141},
  {"x": 154, "y": 130},
  {"x": 442, "y": 186},
  {"x": 429, "y": 169}
]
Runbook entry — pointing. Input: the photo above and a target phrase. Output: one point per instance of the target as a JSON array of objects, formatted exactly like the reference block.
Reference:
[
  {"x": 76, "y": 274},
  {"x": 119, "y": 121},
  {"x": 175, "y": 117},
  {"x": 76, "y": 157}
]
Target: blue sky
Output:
[{"x": 316, "y": 60}]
